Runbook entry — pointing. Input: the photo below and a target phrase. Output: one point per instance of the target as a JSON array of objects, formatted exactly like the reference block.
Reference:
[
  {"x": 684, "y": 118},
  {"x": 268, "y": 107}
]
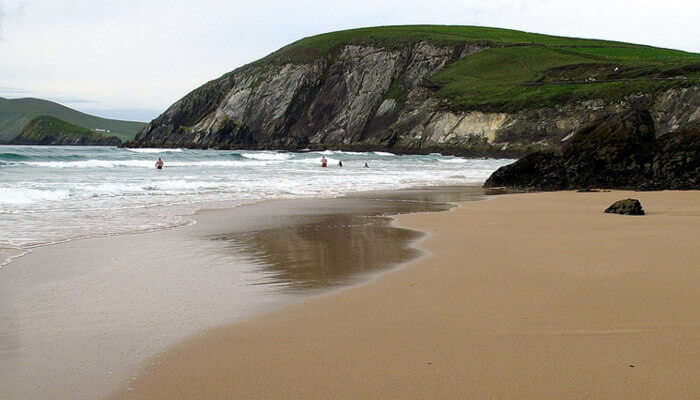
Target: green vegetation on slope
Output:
[
  {"x": 519, "y": 69},
  {"x": 51, "y": 130},
  {"x": 15, "y": 114},
  {"x": 512, "y": 78},
  {"x": 307, "y": 49}
]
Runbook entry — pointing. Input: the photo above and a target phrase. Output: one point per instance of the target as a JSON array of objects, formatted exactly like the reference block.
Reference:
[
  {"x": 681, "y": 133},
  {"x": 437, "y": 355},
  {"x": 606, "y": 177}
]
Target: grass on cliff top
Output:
[
  {"x": 307, "y": 49},
  {"x": 512, "y": 78},
  {"x": 47, "y": 125},
  {"x": 518, "y": 69}
]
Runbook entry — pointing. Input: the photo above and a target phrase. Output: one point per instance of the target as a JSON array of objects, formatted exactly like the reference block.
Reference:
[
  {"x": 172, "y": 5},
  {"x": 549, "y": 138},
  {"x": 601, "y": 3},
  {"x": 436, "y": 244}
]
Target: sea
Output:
[{"x": 52, "y": 194}]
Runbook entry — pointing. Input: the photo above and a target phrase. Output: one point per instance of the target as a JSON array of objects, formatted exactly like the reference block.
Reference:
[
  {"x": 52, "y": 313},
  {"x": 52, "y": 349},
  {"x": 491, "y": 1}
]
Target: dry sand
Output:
[{"x": 530, "y": 296}]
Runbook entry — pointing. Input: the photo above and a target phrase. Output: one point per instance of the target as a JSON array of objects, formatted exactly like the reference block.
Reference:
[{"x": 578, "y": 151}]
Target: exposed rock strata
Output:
[
  {"x": 368, "y": 97},
  {"x": 620, "y": 151}
]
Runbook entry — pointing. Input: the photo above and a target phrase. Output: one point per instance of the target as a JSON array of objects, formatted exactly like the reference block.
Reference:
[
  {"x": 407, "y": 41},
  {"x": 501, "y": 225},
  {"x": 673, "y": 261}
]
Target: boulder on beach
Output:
[{"x": 626, "y": 207}]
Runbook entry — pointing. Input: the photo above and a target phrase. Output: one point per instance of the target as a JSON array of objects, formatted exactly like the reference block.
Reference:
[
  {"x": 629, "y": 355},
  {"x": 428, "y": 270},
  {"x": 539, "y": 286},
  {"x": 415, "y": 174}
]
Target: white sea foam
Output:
[
  {"x": 331, "y": 152},
  {"x": 315, "y": 161},
  {"x": 145, "y": 163},
  {"x": 220, "y": 163},
  {"x": 22, "y": 196},
  {"x": 383, "y": 153},
  {"x": 92, "y": 164},
  {"x": 453, "y": 160},
  {"x": 265, "y": 156}
]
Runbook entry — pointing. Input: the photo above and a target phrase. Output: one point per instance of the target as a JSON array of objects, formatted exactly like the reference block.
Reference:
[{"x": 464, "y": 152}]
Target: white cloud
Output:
[{"x": 133, "y": 54}]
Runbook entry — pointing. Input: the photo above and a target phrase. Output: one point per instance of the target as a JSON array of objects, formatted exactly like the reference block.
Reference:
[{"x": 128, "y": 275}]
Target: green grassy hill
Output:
[
  {"x": 51, "y": 130},
  {"x": 519, "y": 69},
  {"x": 15, "y": 114}
]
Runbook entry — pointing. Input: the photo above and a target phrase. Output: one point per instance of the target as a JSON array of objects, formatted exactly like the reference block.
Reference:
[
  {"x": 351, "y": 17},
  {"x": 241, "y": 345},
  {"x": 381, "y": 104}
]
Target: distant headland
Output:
[
  {"x": 462, "y": 90},
  {"x": 38, "y": 121}
]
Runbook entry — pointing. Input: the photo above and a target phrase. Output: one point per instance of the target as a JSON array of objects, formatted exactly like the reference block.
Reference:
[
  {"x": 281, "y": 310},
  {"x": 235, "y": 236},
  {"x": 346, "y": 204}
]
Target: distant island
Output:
[
  {"x": 464, "y": 90},
  {"x": 37, "y": 121}
]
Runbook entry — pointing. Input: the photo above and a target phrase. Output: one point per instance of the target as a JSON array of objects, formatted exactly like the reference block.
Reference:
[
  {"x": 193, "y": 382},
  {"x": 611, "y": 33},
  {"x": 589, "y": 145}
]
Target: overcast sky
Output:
[{"x": 131, "y": 59}]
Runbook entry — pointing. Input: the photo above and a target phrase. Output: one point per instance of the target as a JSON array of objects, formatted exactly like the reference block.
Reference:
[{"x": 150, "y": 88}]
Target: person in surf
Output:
[
  {"x": 159, "y": 163},
  {"x": 324, "y": 161}
]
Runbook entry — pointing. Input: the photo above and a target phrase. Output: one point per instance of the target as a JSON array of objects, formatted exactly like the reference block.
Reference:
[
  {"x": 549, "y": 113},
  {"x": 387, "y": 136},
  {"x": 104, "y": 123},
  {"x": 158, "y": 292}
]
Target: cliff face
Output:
[
  {"x": 618, "y": 151},
  {"x": 365, "y": 97}
]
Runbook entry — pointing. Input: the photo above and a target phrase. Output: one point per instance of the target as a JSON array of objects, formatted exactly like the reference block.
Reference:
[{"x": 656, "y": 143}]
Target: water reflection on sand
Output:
[{"x": 341, "y": 245}]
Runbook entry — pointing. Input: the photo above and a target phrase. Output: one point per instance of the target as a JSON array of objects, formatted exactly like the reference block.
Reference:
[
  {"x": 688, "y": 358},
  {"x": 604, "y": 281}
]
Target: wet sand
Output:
[
  {"x": 530, "y": 296},
  {"x": 80, "y": 318}
]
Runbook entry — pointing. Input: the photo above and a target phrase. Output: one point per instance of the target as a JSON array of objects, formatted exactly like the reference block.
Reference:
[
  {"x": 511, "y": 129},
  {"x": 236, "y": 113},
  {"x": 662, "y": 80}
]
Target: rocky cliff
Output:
[
  {"x": 376, "y": 96},
  {"x": 618, "y": 151}
]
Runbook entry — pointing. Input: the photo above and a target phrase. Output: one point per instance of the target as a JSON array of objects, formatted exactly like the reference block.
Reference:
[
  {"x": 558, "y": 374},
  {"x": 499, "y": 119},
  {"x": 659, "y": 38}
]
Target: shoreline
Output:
[
  {"x": 82, "y": 315},
  {"x": 523, "y": 296},
  {"x": 8, "y": 255}
]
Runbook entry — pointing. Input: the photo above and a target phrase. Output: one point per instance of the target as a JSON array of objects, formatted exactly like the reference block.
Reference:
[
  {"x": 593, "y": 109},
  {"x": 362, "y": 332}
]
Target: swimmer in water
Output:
[
  {"x": 324, "y": 161},
  {"x": 159, "y": 163}
]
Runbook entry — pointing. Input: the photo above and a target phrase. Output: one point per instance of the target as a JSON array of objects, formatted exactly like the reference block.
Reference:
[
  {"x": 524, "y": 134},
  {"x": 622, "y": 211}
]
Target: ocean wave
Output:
[
  {"x": 136, "y": 188},
  {"x": 92, "y": 164},
  {"x": 13, "y": 157},
  {"x": 237, "y": 156},
  {"x": 221, "y": 163},
  {"x": 182, "y": 185},
  {"x": 332, "y": 152},
  {"x": 261, "y": 156},
  {"x": 315, "y": 160},
  {"x": 453, "y": 160},
  {"x": 383, "y": 153},
  {"x": 144, "y": 163},
  {"x": 154, "y": 150},
  {"x": 19, "y": 158}
]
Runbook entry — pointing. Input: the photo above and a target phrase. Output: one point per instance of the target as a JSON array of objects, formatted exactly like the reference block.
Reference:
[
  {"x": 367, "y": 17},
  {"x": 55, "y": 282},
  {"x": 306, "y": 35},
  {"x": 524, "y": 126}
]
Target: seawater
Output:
[{"x": 50, "y": 194}]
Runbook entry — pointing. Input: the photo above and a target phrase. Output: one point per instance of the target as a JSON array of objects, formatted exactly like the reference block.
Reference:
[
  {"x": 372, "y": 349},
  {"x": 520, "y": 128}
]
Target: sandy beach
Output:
[
  {"x": 527, "y": 296},
  {"x": 78, "y": 319}
]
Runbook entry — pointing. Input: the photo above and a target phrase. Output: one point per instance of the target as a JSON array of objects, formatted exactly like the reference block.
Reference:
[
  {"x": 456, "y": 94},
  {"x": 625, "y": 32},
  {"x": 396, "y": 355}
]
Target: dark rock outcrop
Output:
[
  {"x": 619, "y": 152},
  {"x": 542, "y": 170},
  {"x": 676, "y": 162},
  {"x": 614, "y": 152},
  {"x": 626, "y": 207}
]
